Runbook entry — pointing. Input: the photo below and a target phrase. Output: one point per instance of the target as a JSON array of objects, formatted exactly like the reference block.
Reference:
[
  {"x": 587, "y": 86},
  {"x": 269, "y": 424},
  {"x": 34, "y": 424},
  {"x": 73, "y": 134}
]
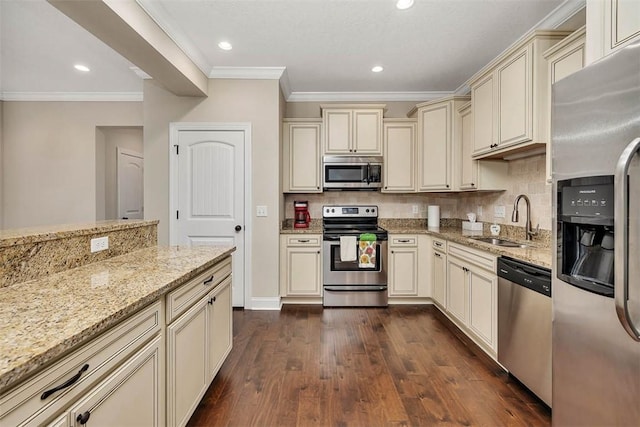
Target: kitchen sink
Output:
[{"x": 500, "y": 242}]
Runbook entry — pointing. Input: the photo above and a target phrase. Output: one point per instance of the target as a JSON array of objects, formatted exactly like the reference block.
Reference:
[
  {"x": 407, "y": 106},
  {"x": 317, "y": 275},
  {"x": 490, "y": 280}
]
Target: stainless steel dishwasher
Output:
[{"x": 524, "y": 324}]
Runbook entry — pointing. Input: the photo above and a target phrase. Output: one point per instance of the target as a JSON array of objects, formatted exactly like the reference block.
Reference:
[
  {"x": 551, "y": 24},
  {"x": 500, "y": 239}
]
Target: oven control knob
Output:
[
  {"x": 367, "y": 210},
  {"x": 333, "y": 210},
  {"x": 373, "y": 210}
]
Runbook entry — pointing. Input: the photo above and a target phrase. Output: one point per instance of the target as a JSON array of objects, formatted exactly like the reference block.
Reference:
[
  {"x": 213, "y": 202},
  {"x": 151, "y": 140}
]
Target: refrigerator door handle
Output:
[{"x": 621, "y": 218}]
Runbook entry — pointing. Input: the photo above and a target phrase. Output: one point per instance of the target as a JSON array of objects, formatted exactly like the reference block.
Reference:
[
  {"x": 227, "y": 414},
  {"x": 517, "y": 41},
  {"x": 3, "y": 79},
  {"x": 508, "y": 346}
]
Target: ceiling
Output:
[{"x": 327, "y": 46}]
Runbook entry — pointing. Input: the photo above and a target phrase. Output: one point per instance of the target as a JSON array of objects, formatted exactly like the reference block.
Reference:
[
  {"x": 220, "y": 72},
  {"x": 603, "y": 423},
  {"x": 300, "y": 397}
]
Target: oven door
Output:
[{"x": 337, "y": 272}]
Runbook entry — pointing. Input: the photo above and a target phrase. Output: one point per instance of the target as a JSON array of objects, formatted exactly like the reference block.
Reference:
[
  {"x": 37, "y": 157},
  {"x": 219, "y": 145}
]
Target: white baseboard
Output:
[{"x": 265, "y": 303}]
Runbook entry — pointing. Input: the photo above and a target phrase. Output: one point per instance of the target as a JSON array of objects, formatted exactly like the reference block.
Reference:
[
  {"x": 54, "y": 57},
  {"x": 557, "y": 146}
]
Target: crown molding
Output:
[
  {"x": 162, "y": 17},
  {"x": 72, "y": 96},
  {"x": 365, "y": 96},
  {"x": 561, "y": 14},
  {"x": 257, "y": 73},
  {"x": 285, "y": 85}
]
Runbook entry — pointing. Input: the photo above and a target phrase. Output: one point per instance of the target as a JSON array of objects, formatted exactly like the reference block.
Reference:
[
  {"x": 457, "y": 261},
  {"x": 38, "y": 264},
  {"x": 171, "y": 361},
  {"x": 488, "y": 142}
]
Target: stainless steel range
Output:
[{"x": 358, "y": 279}]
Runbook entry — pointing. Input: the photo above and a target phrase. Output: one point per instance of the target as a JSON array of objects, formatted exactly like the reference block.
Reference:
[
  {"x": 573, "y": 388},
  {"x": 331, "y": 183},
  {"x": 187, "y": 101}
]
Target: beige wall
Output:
[
  {"x": 524, "y": 176},
  {"x": 48, "y": 164},
  {"x": 308, "y": 110},
  {"x": 1, "y": 167},
  {"x": 254, "y": 101}
]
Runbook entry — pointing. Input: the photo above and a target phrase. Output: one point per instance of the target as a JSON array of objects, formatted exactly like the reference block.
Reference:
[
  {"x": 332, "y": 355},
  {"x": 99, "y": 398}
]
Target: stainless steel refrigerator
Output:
[{"x": 596, "y": 273}]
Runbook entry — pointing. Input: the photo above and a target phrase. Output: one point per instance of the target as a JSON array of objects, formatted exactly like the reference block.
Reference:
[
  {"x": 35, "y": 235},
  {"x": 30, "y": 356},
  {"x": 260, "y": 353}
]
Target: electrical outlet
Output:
[
  {"x": 99, "y": 244},
  {"x": 261, "y": 211},
  {"x": 415, "y": 209},
  {"x": 499, "y": 212}
]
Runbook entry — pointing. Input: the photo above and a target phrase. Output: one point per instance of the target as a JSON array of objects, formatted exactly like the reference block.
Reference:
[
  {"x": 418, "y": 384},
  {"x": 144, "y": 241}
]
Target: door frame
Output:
[
  {"x": 120, "y": 150},
  {"x": 174, "y": 131}
]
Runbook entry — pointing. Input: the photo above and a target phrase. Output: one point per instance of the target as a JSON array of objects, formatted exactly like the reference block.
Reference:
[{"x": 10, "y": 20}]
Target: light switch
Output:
[{"x": 261, "y": 211}]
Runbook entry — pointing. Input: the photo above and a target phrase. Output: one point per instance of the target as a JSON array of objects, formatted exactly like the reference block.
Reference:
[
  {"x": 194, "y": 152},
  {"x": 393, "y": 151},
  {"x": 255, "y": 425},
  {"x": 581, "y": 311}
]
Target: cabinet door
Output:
[
  {"x": 435, "y": 148},
  {"x": 367, "y": 132},
  {"x": 514, "y": 98},
  {"x": 302, "y": 157},
  {"x": 468, "y": 166},
  {"x": 623, "y": 19},
  {"x": 399, "y": 157},
  {"x": 482, "y": 104},
  {"x": 457, "y": 282},
  {"x": 337, "y": 131},
  {"x": 482, "y": 305},
  {"x": 187, "y": 375},
  {"x": 403, "y": 271},
  {"x": 303, "y": 276},
  {"x": 220, "y": 326},
  {"x": 439, "y": 278},
  {"x": 130, "y": 396}
]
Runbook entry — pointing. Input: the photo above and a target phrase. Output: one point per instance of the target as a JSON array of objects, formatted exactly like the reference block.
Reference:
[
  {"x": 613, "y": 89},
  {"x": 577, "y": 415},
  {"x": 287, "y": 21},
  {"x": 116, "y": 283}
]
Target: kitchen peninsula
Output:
[{"x": 96, "y": 332}]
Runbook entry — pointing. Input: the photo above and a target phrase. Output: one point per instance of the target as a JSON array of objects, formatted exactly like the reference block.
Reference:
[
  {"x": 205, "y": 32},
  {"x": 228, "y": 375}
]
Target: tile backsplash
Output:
[{"x": 525, "y": 176}]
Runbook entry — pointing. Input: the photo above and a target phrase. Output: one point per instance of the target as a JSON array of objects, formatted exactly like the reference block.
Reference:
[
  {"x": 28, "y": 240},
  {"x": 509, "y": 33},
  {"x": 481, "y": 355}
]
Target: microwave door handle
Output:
[{"x": 621, "y": 218}]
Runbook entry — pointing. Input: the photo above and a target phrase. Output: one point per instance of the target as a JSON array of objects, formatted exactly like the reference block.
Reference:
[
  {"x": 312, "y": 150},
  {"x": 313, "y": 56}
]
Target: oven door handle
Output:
[{"x": 375, "y": 288}]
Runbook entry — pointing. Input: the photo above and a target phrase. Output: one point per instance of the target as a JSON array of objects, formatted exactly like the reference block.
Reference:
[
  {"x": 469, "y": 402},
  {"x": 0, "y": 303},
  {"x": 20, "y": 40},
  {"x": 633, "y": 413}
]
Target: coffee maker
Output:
[{"x": 301, "y": 214}]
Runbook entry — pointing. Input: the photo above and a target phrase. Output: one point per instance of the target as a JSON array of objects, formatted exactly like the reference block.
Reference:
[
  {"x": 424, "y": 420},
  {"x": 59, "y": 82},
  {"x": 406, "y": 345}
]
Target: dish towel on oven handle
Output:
[
  {"x": 348, "y": 248},
  {"x": 367, "y": 250}
]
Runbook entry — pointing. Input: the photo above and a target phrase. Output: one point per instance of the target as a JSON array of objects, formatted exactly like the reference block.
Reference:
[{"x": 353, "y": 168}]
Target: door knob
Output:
[{"x": 238, "y": 227}]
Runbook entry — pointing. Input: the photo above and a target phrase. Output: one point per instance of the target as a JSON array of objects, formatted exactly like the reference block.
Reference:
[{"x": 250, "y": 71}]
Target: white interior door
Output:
[
  {"x": 130, "y": 184},
  {"x": 209, "y": 195}
]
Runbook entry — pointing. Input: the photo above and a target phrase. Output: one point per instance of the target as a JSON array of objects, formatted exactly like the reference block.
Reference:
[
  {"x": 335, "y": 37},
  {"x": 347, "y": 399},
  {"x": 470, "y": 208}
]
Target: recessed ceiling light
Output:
[
  {"x": 81, "y": 67},
  {"x": 404, "y": 4},
  {"x": 225, "y": 46},
  {"x": 377, "y": 69}
]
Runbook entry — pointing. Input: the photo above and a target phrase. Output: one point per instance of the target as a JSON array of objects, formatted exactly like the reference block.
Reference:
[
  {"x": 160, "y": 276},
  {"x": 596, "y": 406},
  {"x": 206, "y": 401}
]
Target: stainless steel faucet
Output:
[{"x": 515, "y": 216}]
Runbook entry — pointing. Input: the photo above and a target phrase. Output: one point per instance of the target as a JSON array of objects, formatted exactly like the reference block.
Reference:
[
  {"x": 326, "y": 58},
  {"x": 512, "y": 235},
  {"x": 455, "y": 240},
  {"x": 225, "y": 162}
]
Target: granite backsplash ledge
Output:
[{"x": 28, "y": 254}]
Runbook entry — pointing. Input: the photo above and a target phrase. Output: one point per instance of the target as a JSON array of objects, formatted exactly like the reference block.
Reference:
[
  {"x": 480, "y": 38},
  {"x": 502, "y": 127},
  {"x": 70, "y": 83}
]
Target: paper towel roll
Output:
[{"x": 433, "y": 216}]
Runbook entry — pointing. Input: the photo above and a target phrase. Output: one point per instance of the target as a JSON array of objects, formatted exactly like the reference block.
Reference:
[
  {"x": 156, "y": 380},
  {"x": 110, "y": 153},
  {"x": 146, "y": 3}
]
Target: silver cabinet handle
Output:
[{"x": 621, "y": 222}]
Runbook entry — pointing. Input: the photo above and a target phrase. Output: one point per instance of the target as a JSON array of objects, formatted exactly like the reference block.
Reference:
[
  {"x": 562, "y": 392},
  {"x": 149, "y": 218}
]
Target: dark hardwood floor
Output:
[{"x": 399, "y": 366}]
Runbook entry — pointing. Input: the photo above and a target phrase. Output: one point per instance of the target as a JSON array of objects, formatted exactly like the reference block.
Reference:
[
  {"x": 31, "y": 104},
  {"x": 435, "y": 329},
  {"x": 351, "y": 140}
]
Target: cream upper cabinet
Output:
[
  {"x": 301, "y": 265},
  {"x": 468, "y": 167},
  {"x": 611, "y": 25},
  {"x": 301, "y": 155},
  {"x": 399, "y": 149},
  {"x": 563, "y": 59},
  {"x": 509, "y": 99},
  {"x": 352, "y": 129},
  {"x": 437, "y": 135}
]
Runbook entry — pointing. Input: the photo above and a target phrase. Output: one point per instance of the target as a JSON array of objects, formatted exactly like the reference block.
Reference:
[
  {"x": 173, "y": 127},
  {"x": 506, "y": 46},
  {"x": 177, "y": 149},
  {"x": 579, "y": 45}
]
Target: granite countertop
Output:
[
  {"x": 535, "y": 253},
  {"x": 42, "y": 319},
  {"x": 20, "y": 236}
]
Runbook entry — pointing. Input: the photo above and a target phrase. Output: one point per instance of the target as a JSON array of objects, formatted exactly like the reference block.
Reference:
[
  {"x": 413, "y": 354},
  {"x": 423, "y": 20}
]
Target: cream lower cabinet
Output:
[
  {"x": 115, "y": 379},
  {"x": 301, "y": 139},
  {"x": 198, "y": 339},
  {"x": 399, "y": 147},
  {"x": 439, "y": 272},
  {"x": 131, "y": 396},
  {"x": 403, "y": 265},
  {"x": 472, "y": 294},
  {"x": 301, "y": 265}
]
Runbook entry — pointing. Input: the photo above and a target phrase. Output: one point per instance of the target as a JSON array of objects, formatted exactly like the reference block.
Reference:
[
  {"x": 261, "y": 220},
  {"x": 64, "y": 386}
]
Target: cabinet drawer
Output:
[
  {"x": 404, "y": 240},
  {"x": 24, "y": 404},
  {"x": 304, "y": 240},
  {"x": 440, "y": 244},
  {"x": 179, "y": 300},
  {"x": 479, "y": 258}
]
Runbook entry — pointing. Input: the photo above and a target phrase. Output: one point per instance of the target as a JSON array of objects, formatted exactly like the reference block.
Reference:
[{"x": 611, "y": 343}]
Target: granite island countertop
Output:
[{"x": 43, "y": 319}]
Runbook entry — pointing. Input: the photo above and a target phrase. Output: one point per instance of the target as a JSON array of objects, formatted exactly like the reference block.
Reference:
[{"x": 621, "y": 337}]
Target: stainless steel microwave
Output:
[{"x": 351, "y": 173}]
